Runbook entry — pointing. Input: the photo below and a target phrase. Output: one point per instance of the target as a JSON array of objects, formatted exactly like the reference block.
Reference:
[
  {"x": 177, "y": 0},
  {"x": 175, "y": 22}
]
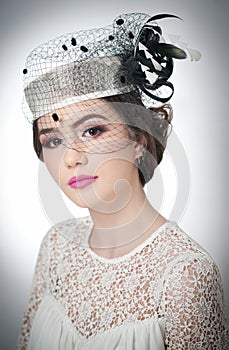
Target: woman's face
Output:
[{"x": 89, "y": 154}]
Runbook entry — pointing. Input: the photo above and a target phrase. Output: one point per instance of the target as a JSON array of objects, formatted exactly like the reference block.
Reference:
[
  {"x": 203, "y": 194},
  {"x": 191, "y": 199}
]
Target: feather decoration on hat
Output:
[{"x": 152, "y": 63}]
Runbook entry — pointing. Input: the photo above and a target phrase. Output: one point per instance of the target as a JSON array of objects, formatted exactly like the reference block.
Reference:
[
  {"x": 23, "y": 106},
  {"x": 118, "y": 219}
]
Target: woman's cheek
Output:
[
  {"x": 55, "y": 168},
  {"x": 113, "y": 175}
]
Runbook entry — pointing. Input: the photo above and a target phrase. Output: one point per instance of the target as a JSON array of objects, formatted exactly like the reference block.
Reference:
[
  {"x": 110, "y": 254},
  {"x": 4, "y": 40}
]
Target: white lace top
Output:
[{"x": 165, "y": 294}]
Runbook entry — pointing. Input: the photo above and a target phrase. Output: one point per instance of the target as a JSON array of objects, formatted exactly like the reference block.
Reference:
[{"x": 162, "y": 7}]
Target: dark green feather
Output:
[{"x": 170, "y": 50}]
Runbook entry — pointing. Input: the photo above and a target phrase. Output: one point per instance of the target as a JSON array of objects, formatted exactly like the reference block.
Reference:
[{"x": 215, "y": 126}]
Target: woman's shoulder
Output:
[
  {"x": 179, "y": 242},
  {"x": 183, "y": 252},
  {"x": 72, "y": 229},
  {"x": 193, "y": 295}
]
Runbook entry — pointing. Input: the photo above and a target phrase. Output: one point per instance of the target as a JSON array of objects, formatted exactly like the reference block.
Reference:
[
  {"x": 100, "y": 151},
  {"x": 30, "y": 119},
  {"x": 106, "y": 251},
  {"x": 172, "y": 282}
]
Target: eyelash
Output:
[
  {"x": 101, "y": 129},
  {"x": 47, "y": 143}
]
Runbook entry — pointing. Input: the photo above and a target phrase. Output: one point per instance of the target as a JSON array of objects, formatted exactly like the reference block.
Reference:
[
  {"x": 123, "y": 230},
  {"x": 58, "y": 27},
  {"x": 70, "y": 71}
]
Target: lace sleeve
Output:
[
  {"x": 195, "y": 307},
  {"x": 38, "y": 290}
]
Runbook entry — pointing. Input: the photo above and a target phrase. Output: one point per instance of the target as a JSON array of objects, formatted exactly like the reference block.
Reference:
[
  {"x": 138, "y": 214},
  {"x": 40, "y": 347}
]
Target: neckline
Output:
[{"x": 168, "y": 224}]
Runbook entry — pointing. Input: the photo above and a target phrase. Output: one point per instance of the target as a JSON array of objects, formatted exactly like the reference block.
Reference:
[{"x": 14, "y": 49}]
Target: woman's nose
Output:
[{"x": 73, "y": 158}]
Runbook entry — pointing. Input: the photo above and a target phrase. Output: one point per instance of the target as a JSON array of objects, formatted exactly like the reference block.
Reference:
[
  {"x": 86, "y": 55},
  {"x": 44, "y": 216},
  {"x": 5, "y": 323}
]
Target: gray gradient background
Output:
[{"x": 200, "y": 119}]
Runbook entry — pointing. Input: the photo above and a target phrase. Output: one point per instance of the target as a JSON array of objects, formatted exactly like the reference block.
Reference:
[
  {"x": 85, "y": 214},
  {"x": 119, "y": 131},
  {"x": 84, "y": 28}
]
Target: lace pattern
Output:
[{"x": 169, "y": 278}]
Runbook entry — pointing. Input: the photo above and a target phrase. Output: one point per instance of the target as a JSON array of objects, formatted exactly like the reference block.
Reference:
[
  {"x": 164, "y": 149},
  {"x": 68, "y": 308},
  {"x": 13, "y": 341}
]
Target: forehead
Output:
[{"x": 78, "y": 111}]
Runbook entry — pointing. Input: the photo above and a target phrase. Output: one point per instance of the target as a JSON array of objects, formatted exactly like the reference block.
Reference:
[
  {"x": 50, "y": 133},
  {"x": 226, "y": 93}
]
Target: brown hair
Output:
[{"x": 151, "y": 127}]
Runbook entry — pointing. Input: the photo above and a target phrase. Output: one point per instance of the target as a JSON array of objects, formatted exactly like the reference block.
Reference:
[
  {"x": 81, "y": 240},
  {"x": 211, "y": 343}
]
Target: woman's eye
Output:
[
  {"x": 52, "y": 143},
  {"x": 93, "y": 132}
]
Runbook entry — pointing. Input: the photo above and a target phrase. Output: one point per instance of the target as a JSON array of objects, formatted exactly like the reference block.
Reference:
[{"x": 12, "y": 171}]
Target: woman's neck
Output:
[{"x": 117, "y": 233}]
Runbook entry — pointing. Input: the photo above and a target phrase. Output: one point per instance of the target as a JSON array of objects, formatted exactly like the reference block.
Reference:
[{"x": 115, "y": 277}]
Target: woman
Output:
[{"x": 125, "y": 277}]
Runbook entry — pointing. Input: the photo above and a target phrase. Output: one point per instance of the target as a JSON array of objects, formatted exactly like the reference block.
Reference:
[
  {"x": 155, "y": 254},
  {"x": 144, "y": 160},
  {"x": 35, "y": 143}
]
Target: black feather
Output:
[{"x": 161, "y": 16}]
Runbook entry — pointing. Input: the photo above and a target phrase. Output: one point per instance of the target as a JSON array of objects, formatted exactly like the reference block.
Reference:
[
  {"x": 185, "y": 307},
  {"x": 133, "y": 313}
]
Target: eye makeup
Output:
[{"x": 91, "y": 133}]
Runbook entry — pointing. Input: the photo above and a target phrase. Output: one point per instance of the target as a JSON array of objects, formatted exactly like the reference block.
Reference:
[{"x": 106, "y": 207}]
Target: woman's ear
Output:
[{"x": 140, "y": 146}]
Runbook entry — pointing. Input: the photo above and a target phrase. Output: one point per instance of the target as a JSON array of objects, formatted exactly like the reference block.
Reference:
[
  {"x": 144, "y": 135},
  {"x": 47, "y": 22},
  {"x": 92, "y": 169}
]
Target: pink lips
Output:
[{"x": 81, "y": 181}]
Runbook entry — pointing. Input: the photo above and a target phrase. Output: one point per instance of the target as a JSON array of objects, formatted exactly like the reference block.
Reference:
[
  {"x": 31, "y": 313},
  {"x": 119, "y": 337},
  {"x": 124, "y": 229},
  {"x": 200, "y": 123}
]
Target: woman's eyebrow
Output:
[
  {"x": 47, "y": 131},
  {"x": 86, "y": 118},
  {"x": 74, "y": 125}
]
